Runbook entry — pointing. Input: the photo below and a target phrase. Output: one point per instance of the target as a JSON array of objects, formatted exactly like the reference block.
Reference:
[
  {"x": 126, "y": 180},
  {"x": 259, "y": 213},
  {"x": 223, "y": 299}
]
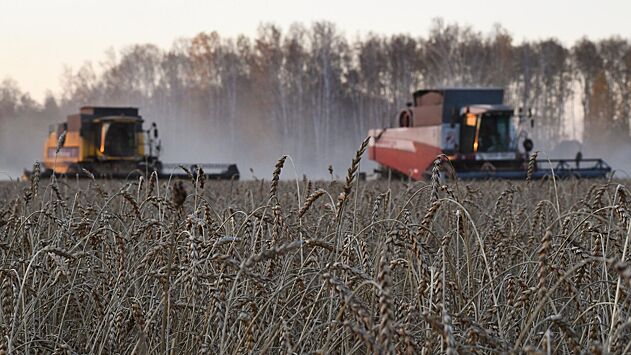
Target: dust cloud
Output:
[
  {"x": 616, "y": 153},
  {"x": 21, "y": 144},
  {"x": 254, "y": 153}
]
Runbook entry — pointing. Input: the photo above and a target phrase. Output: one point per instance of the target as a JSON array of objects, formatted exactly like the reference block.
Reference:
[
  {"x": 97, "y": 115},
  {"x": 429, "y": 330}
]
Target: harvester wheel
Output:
[
  {"x": 73, "y": 169},
  {"x": 488, "y": 166},
  {"x": 157, "y": 167}
]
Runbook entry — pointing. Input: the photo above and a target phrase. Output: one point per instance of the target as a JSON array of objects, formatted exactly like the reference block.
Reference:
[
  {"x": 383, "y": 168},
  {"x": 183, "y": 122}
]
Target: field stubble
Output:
[{"x": 197, "y": 266}]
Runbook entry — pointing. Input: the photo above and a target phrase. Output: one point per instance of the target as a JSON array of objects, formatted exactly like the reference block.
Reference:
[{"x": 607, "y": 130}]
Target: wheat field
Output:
[{"x": 299, "y": 266}]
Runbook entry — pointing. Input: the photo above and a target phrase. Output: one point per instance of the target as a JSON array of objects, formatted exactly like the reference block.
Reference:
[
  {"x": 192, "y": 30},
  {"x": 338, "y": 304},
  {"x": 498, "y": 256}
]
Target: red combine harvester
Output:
[{"x": 477, "y": 132}]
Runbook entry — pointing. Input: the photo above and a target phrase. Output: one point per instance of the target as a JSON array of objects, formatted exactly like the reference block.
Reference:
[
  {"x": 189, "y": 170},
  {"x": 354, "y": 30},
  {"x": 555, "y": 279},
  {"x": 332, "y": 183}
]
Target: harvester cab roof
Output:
[{"x": 480, "y": 109}]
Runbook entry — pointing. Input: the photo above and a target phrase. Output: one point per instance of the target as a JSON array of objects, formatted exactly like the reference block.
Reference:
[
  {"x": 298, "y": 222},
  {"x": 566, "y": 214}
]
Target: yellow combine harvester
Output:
[{"x": 111, "y": 142}]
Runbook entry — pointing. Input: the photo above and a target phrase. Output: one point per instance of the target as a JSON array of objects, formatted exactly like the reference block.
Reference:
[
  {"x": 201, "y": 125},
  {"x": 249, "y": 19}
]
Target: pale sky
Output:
[{"x": 37, "y": 38}]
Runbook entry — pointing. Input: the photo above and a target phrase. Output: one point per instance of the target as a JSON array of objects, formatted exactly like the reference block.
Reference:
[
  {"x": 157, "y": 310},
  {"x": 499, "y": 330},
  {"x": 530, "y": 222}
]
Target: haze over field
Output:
[{"x": 311, "y": 83}]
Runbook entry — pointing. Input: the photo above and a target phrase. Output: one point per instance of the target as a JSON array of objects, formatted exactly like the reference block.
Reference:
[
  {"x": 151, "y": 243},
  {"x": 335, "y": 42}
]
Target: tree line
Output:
[{"x": 311, "y": 91}]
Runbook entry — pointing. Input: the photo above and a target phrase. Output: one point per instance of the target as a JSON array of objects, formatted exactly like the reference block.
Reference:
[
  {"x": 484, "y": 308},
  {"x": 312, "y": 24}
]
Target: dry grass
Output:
[{"x": 283, "y": 267}]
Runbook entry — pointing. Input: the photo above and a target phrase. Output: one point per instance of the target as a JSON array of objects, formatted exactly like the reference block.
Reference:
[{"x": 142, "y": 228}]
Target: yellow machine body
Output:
[{"x": 100, "y": 139}]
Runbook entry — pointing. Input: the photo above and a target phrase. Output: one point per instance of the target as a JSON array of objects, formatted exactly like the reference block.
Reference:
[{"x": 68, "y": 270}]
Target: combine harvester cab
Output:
[
  {"x": 110, "y": 142},
  {"x": 475, "y": 130}
]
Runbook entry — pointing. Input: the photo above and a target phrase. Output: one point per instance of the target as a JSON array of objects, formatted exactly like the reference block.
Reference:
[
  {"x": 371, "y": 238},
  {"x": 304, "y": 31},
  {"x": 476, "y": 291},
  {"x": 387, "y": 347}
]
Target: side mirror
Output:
[
  {"x": 154, "y": 128},
  {"x": 528, "y": 145}
]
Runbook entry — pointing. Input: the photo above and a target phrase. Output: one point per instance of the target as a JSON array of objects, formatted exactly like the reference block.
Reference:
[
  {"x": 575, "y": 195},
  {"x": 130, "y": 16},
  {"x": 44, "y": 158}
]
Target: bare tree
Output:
[
  {"x": 616, "y": 55},
  {"x": 587, "y": 65}
]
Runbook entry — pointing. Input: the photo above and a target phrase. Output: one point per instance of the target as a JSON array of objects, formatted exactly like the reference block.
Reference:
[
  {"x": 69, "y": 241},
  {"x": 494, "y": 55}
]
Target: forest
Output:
[{"x": 312, "y": 91}]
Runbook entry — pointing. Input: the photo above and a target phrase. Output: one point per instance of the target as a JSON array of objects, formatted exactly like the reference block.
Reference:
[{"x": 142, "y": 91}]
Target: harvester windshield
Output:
[
  {"x": 488, "y": 132},
  {"x": 118, "y": 139},
  {"x": 493, "y": 133}
]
